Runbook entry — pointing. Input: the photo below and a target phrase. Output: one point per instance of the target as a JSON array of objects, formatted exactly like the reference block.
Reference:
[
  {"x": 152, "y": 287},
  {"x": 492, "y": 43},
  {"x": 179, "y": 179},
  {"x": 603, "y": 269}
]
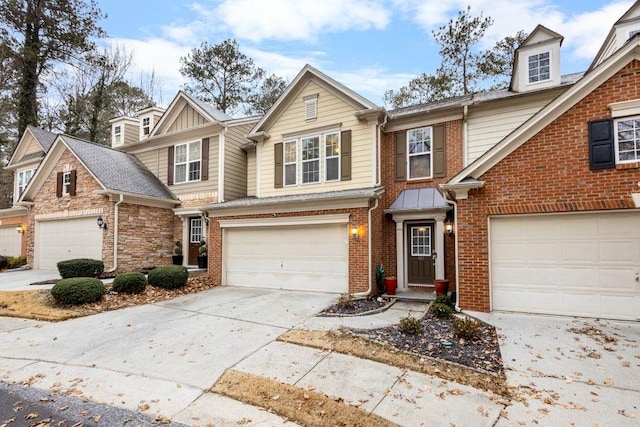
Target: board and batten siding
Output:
[
  {"x": 158, "y": 162},
  {"x": 251, "y": 173},
  {"x": 489, "y": 125},
  {"x": 187, "y": 118},
  {"x": 33, "y": 147},
  {"x": 331, "y": 110},
  {"x": 235, "y": 162}
]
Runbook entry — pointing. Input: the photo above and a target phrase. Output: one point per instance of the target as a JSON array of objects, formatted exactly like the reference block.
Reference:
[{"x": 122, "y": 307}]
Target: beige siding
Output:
[
  {"x": 489, "y": 125},
  {"x": 331, "y": 111},
  {"x": 131, "y": 133},
  {"x": 33, "y": 146},
  {"x": 251, "y": 173},
  {"x": 187, "y": 118},
  {"x": 235, "y": 162}
]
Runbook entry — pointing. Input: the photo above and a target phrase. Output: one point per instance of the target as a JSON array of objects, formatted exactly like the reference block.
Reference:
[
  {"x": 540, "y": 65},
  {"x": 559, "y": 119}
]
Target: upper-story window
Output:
[
  {"x": 66, "y": 183},
  {"x": 187, "y": 162},
  {"x": 419, "y": 151},
  {"x": 290, "y": 162},
  {"x": 627, "y": 139},
  {"x": 146, "y": 125},
  {"x": 308, "y": 154},
  {"x": 332, "y": 156},
  {"x": 310, "y": 159},
  {"x": 310, "y": 107},
  {"x": 539, "y": 67},
  {"x": 23, "y": 180},
  {"x": 117, "y": 134}
]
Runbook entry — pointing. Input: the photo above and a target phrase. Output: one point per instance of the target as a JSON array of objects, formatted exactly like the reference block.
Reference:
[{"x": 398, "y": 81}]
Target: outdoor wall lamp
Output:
[
  {"x": 101, "y": 223},
  {"x": 19, "y": 229},
  {"x": 354, "y": 233},
  {"x": 448, "y": 227}
]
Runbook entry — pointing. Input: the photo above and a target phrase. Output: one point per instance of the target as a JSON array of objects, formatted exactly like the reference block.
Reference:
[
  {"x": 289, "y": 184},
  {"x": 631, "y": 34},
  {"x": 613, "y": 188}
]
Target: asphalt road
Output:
[{"x": 29, "y": 407}]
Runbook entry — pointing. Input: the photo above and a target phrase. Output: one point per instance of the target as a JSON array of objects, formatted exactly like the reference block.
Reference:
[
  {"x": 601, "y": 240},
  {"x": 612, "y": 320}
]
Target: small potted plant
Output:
[
  {"x": 177, "y": 253},
  {"x": 202, "y": 254}
]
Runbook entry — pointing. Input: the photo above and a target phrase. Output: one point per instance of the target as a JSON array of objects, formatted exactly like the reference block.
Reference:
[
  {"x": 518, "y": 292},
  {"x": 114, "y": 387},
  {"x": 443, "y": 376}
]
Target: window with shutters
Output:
[
  {"x": 419, "y": 164},
  {"x": 332, "y": 156},
  {"x": 290, "y": 162},
  {"x": 187, "y": 162},
  {"x": 539, "y": 67},
  {"x": 66, "y": 183},
  {"x": 313, "y": 159},
  {"x": 627, "y": 139}
]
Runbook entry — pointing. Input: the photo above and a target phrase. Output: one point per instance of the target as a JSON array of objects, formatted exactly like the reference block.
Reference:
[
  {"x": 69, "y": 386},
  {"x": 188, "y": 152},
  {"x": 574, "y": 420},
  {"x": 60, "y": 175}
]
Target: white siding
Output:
[{"x": 251, "y": 172}]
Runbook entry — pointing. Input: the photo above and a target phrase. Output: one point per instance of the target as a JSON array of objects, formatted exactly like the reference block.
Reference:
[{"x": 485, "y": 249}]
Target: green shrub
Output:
[
  {"x": 78, "y": 290},
  {"x": 346, "y": 300},
  {"x": 168, "y": 276},
  {"x": 411, "y": 325},
  {"x": 15, "y": 262},
  {"x": 443, "y": 299},
  {"x": 80, "y": 267},
  {"x": 467, "y": 328},
  {"x": 132, "y": 283},
  {"x": 440, "y": 310}
]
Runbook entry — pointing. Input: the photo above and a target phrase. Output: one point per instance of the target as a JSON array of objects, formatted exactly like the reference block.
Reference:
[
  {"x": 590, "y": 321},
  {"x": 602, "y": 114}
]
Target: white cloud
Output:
[{"x": 300, "y": 20}]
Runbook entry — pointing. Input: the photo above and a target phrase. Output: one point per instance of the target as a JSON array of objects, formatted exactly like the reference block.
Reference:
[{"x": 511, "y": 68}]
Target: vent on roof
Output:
[{"x": 311, "y": 107}]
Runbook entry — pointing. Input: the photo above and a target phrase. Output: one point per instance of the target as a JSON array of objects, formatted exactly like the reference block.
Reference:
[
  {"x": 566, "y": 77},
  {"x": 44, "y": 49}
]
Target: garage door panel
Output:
[
  {"x": 10, "y": 241},
  {"x": 583, "y": 268},
  {"x": 60, "y": 240},
  {"x": 313, "y": 257}
]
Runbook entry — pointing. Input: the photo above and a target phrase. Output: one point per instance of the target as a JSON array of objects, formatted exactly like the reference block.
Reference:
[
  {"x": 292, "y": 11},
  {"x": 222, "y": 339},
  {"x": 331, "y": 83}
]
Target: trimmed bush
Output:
[
  {"x": 443, "y": 299},
  {"x": 411, "y": 325},
  {"x": 80, "y": 267},
  {"x": 132, "y": 283},
  {"x": 168, "y": 276},
  {"x": 467, "y": 328},
  {"x": 78, "y": 290},
  {"x": 16, "y": 262},
  {"x": 440, "y": 310}
]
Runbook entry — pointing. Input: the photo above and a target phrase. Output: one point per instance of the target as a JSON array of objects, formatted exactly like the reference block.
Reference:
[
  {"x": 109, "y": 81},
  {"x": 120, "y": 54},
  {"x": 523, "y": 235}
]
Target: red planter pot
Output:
[
  {"x": 392, "y": 284},
  {"x": 441, "y": 286}
]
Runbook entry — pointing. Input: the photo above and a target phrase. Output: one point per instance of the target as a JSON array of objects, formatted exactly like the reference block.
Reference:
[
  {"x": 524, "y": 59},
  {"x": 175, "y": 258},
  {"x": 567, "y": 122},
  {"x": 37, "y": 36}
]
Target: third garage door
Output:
[
  {"x": 310, "y": 257},
  {"x": 64, "y": 239},
  {"x": 575, "y": 264}
]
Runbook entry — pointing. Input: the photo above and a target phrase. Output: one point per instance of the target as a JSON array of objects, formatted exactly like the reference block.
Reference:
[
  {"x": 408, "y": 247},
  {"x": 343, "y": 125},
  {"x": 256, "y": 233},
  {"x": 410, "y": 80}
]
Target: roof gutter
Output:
[{"x": 369, "y": 244}]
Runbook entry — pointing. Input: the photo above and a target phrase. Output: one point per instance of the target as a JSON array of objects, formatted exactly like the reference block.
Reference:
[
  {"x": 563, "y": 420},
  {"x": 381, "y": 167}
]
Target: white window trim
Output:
[
  {"x": 409, "y": 155},
  {"x": 317, "y": 159},
  {"x": 616, "y": 143},
  {"x": 25, "y": 180},
  {"x": 187, "y": 162},
  {"x": 147, "y": 127},
  {"x": 529, "y": 82},
  {"x": 322, "y": 159},
  {"x": 66, "y": 176},
  {"x": 191, "y": 228},
  {"x": 117, "y": 134},
  {"x": 428, "y": 231}
]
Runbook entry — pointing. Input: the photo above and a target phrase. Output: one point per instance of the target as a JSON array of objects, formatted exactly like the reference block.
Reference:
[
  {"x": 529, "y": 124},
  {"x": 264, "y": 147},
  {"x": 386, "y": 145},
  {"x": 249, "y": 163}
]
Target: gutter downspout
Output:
[
  {"x": 465, "y": 134},
  {"x": 221, "y": 148},
  {"x": 368, "y": 291},
  {"x": 380, "y": 137},
  {"x": 116, "y": 212},
  {"x": 455, "y": 236}
]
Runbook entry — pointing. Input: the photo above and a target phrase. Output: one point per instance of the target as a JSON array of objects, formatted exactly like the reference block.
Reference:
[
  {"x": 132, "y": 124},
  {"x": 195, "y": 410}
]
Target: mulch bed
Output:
[
  {"x": 482, "y": 353},
  {"x": 360, "y": 307}
]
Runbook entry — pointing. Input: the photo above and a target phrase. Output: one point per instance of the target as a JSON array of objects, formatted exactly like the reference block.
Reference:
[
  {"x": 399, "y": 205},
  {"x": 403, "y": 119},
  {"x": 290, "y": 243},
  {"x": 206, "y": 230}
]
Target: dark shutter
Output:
[
  {"x": 601, "y": 149},
  {"x": 401, "y": 155},
  {"x": 170, "y": 167},
  {"x": 59, "y": 184},
  {"x": 439, "y": 157},
  {"x": 204, "y": 173},
  {"x": 278, "y": 162},
  {"x": 72, "y": 183},
  {"x": 345, "y": 155}
]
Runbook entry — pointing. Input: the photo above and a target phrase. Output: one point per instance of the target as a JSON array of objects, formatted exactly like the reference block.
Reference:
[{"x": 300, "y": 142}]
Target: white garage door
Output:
[
  {"x": 10, "y": 241},
  {"x": 311, "y": 258},
  {"x": 64, "y": 239},
  {"x": 576, "y": 264}
]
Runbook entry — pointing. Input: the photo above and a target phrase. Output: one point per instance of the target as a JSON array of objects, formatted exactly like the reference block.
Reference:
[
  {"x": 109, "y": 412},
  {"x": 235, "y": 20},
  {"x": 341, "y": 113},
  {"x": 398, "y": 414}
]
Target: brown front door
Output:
[
  {"x": 195, "y": 235},
  {"x": 421, "y": 268}
]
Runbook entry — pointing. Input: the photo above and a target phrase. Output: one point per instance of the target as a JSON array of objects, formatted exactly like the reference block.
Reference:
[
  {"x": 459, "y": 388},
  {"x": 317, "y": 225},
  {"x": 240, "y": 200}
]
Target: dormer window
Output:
[
  {"x": 539, "y": 67},
  {"x": 311, "y": 107},
  {"x": 146, "y": 125},
  {"x": 117, "y": 134}
]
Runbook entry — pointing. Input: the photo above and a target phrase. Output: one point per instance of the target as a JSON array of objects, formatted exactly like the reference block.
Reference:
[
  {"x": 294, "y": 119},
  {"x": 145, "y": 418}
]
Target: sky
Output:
[{"x": 370, "y": 46}]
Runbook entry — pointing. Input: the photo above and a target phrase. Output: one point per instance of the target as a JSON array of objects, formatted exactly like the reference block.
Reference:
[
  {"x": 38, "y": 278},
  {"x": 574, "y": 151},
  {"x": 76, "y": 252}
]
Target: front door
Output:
[
  {"x": 195, "y": 235},
  {"x": 421, "y": 256}
]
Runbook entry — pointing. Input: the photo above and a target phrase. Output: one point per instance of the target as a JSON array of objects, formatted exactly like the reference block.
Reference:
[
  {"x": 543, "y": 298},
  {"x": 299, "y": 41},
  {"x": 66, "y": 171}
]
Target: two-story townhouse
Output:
[
  {"x": 313, "y": 181},
  {"x": 26, "y": 158}
]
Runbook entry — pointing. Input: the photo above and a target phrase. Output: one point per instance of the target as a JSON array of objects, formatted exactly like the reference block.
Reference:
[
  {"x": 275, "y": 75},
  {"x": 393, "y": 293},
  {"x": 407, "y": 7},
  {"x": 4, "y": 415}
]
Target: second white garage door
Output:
[
  {"x": 10, "y": 241},
  {"x": 310, "y": 258},
  {"x": 576, "y": 264},
  {"x": 59, "y": 240}
]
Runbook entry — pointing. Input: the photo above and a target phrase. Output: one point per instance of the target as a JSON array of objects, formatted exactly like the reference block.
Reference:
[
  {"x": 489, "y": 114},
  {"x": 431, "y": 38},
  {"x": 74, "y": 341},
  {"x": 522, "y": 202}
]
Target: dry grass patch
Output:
[
  {"x": 304, "y": 407},
  {"x": 40, "y": 305},
  {"x": 365, "y": 349}
]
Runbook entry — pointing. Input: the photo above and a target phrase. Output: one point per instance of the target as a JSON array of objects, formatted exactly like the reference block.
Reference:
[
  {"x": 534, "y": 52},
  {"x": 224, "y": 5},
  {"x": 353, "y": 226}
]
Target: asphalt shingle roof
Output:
[
  {"x": 210, "y": 109},
  {"x": 44, "y": 138},
  {"x": 118, "y": 171}
]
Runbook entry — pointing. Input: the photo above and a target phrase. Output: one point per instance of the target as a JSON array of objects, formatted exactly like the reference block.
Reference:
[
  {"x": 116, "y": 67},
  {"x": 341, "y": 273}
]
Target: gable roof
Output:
[
  {"x": 551, "y": 111},
  {"x": 114, "y": 170},
  {"x": 304, "y": 76},
  {"x": 173, "y": 110},
  {"x": 539, "y": 35},
  {"x": 43, "y": 138},
  {"x": 630, "y": 15}
]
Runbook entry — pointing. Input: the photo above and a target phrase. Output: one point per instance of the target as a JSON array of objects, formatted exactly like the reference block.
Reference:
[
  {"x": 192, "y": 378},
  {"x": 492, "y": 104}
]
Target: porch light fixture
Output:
[
  {"x": 101, "y": 223},
  {"x": 354, "y": 233},
  {"x": 448, "y": 227},
  {"x": 19, "y": 229}
]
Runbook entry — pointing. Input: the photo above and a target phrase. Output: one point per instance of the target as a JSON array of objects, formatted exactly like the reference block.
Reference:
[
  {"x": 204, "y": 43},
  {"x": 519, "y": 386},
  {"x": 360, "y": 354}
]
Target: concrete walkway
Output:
[{"x": 21, "y": 280}]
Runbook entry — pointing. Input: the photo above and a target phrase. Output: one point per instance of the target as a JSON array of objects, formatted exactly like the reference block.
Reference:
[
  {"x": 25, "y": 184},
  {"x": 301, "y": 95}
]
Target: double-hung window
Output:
[
  {"x": 23, "y": 180},
  {"x": 310, "y": 159},
  {"x": 66, "y": 183},
  {"x": 146, "y": 125},
  {"x": 419, "y": 149},
  {"x": 539, "y": 67},
  {"x": 332, "y": 156},
  {"x": 117, "y": 134},
  {"x": 290, "y": 162},
  {"x": 187, "y": 162},
  {"x": 627, "y": 139}
]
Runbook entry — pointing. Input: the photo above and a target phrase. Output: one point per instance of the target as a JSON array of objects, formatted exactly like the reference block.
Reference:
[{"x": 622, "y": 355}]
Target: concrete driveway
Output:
[
  {"x": 21, "y": 280},
  {"x": 568, "y": 371}
]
